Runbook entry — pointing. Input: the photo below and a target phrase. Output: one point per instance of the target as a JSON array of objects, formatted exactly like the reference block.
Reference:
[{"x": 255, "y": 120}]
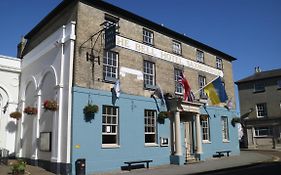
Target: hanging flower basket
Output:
[
  {"x": 30, "y": 110},
  {"x": 89, "y": 111},
  {"x": 50, "y": 105},
  {"x": 235, "y": 120},
  {"x": 15, "y": 115},
  {"x": 162, "y": 116}
]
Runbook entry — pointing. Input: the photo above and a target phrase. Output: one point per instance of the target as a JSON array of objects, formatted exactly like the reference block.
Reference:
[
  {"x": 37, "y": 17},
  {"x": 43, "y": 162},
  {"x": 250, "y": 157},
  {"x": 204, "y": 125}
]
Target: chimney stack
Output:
[{"x": 257, "y": 69}]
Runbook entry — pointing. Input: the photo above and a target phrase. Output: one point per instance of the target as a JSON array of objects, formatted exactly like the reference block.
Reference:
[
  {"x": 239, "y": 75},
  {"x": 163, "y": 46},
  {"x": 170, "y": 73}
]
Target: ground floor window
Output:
[
  {"x": 263, "y": 131},
  {"x": 150, "y": 127},
  {"x": 224, "y": 124},
  {"x": 205, "y": 128},
  {"x": 110, "y": 126}
]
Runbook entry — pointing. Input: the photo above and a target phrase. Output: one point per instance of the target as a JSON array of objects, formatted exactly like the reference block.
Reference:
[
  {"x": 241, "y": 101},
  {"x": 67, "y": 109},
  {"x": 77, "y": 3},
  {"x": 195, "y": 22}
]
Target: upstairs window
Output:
[
  {"x": 176, "y": 47},
  {"x": 150, "y": 128},
  {"x": 261, "y": 110},
  {"x": 200, "y": 56},
  {"x": 148, "y": 37},
  {"x": 110, "y": 66},
  {"x": 149, "y": 74},
  {"x": 202, "y": 83},
  {"x": 219, "y": 63},
  {"x": 178, "y": 86},
  {"x": 110, "y": 126},
  {"x": 111, "y": 20},
  {"x": 259, "y": 87}
]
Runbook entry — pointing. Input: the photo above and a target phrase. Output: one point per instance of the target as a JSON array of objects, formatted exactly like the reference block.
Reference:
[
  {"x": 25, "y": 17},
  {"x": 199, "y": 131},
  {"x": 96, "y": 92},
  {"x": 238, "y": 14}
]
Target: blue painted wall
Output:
[
  {"x": 131, "y": 128},
  {"x": 217, "y": 144},
  {"x": 88, "y": 135}
]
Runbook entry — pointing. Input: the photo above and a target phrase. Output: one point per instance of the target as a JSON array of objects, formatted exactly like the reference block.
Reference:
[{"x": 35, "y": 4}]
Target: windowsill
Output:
[
  {"x": 109, "y": 80},
  {"x": 110, "y": 146},
  {"x": 206, "y": 142},
  {"x": 149, "y": 87},
  {"x": 149, "y": 44},
  {"x": 200, "y": 62},
  {"x": 258, "y": 91},
  {"x": 265, "y": 136},
  {"x": 178, "y": 93},
  {"x": 151, "y": 145},
  {"x": 179, "y": 54},
  {"x": 226, "y": 141}
]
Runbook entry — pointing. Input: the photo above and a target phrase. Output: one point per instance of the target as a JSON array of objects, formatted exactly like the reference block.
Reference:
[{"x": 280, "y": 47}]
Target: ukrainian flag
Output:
[{"x": 216, "y": 91}]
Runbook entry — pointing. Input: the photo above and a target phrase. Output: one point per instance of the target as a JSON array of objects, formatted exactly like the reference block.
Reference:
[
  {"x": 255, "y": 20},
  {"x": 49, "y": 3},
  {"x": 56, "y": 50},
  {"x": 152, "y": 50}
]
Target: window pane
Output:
[
  {"x": 150, "y": 126},
  {"x": 110, "y": 64},
  {"x": 110, "y": 125}
]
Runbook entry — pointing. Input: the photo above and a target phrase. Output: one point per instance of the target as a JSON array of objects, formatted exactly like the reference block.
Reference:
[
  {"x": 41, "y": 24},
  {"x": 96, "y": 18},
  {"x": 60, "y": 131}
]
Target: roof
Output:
[
  {"x": 132, "y": 17},
  {"x": 261, "y": 75}
]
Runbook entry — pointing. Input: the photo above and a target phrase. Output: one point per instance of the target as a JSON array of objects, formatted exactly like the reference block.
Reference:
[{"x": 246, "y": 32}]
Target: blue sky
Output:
[{"x": 249, "y": 30}]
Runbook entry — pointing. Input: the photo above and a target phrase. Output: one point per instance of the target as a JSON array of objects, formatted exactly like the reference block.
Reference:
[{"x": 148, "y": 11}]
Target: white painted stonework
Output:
[
  {"x": 9, "y": 88},
  {"x": 47, "y": 75}
]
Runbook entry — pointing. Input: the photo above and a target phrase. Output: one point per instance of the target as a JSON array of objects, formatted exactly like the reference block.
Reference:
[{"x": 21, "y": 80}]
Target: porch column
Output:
[
  {"x": 172, "y": 135},
  {"x": 198, "y": 135},
  {"x": 178, "y": 134}
]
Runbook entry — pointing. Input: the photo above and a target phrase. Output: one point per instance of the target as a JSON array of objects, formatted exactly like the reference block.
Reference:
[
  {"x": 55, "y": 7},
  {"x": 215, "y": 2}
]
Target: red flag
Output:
[{"x": 183, "y": 81}]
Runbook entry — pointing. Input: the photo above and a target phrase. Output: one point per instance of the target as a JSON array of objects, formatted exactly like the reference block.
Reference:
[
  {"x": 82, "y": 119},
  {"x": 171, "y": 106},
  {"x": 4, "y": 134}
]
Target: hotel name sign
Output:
[{"x": 157, "y": 53}]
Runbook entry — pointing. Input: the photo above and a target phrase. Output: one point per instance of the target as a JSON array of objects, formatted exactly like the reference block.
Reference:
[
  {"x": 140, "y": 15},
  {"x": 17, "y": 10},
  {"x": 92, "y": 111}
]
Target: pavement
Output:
[{"x": 246, "y": 158}]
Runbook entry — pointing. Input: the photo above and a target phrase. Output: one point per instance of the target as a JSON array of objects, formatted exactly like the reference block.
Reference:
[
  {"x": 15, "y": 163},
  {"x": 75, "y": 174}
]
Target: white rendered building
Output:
[{"x": 9, "y": 88}]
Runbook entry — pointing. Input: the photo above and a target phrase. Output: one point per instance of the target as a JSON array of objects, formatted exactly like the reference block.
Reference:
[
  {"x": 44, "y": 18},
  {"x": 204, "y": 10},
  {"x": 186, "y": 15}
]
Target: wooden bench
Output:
[
  {"x": 137, "y": 162},
  {"x": 221, "y": 153}
]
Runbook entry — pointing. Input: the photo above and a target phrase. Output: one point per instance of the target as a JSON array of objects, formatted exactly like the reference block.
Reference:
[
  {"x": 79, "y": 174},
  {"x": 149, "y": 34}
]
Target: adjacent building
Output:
[
  {"x": 69, "y": 58},
  {"x": 10, "y": 68},
  {"x": 260, "y": 106}
]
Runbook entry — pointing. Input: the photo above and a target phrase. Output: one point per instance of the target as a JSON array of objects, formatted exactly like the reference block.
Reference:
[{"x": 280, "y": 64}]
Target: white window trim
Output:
[
  {"x": 264, "y": 110},
  {"x": 208, "y": 127},
  {"x": 219, "y": 63},
  {"x": 112, "y": 145},
  {"x": 112, "y": 66},
  {"x": 176, "y": 82},
  {"x": 149, "y": 74},
  {"x": 155, "y": 129},
  {"x": 225, "y": 131},
  {"x": 151, "y": 38},
  {"x": 176, "y": 48},
  {"x": 203, "y": 58},
  {"x": 261, "y": 136}
]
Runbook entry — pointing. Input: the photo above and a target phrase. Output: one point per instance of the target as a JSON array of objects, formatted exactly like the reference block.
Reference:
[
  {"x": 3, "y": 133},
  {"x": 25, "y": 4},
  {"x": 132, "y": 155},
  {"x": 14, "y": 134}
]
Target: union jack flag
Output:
[{"x": 188, "y": 95}]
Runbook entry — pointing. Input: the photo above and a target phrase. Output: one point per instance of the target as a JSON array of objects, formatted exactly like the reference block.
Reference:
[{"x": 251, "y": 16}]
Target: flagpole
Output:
[{"x": 205, "y": 85}]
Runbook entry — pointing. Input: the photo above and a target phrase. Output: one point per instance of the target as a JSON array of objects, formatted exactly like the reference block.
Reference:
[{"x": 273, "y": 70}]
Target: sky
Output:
[{"x": 249, "y": 30}]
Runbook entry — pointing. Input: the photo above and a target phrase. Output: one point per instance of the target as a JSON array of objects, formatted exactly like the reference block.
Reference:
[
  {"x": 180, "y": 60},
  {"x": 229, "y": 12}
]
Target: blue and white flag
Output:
[{"x": 116, "y": 88}]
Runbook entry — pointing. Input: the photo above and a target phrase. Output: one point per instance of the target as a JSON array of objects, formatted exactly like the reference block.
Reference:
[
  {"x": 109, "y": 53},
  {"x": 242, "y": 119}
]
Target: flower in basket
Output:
[
  {"x": 30, "y": 110},
  {"x": 162, "y": 116},
  {"x": 15, "y": 115},
  {"x": 50, "y": 105},
  {"x": 89, "y": 112},
  {"x": 90, "y": 109}
]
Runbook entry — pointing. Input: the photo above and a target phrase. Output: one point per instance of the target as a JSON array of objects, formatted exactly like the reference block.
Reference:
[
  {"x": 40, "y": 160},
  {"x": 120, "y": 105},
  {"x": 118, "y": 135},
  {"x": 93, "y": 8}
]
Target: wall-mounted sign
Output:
[
  {"x": 157, "y": 53},
  {"x": 45, "y": 141},
  {"x": 110, "y": 37}
]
